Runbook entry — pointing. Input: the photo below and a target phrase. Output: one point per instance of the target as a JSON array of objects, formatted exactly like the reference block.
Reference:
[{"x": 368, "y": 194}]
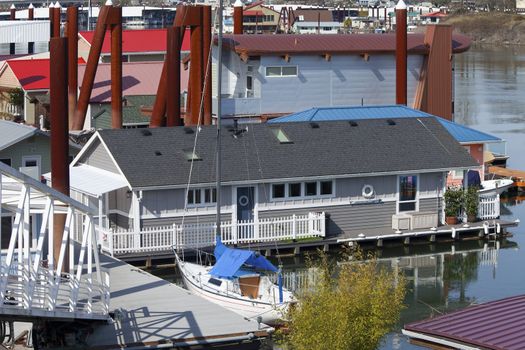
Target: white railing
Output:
[
  {"x": 37, "y": 283},
  {"x": 489, "y": 207},
  {"x": 163, "y": 238}
]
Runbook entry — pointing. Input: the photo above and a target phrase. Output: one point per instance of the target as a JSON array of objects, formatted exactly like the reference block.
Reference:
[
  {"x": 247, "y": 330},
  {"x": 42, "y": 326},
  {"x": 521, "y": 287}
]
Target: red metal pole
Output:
[
  {"x": 59, "y": 133},
  {"x": 401, "y": 53},
  {"x": 173, "y": 77},
  {"x": 116, "y": 72},
  {"x": 206, "y": 43},
  {"x": 31, "y": 12},
  {"x": 12, "y": 12},
  {"x": 51, "y": 12},
  {"x": 237, "y": 17},
  {"x": 91, "y": 69},
  {"x": 56, "y": 20},
  {"x": 72, "y": 45},
  {"x": 196, "y": 69}
]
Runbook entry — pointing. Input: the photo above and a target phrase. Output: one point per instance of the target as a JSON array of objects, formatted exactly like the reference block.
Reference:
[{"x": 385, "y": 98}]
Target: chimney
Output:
[
  {"x": 401, "y": 53},
  {"x": 12, "y": 11},
  {"x": 31, "y": 12},
  {"x": 237, "y": 17}
]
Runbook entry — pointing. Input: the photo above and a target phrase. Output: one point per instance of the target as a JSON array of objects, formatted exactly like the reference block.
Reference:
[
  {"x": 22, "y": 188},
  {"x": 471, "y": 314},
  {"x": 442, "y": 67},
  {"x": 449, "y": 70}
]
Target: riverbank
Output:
[{"x": 490, "y": 28}]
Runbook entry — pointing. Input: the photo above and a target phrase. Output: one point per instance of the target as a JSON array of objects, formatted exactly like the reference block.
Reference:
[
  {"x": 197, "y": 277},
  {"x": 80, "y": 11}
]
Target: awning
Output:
[
  {"x": 231, "y": 260},
  {"x": 93, "y": 181}
]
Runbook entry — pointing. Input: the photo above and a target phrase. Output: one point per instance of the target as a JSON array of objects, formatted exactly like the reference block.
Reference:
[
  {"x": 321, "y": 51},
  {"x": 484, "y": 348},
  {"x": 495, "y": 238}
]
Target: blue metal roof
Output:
[{"x": 461, "y": 133}]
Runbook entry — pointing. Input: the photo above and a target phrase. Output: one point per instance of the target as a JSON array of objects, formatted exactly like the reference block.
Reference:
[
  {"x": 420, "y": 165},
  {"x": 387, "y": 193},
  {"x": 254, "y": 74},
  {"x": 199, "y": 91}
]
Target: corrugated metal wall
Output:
[{"x": 24, "y": 31}]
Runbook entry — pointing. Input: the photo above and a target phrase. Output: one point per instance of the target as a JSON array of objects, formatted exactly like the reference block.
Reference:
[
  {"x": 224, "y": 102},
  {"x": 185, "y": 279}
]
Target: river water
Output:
[{"x": 490, "y": 97}]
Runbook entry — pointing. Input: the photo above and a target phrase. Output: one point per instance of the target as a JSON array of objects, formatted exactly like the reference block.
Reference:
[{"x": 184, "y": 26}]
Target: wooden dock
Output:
[
  {"x": 151, "y": 312},
  {"x": 517, "y": 175}
]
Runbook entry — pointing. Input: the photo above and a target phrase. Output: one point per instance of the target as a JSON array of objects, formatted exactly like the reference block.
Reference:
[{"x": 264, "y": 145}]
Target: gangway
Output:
[{"x": 32, "y": 286}]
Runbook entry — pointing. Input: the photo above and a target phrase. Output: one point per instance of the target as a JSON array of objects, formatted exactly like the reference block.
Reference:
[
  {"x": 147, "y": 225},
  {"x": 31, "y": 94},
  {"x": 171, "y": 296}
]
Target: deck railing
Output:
[
  {"x": 489, "y": 206},
  {"x": 163, "y": 238}
]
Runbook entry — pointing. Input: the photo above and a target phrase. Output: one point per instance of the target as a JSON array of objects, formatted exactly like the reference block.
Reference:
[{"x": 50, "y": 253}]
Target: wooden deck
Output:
[
  {"x": 152, "y": 312},
  {"x": 517, "y": 175}
]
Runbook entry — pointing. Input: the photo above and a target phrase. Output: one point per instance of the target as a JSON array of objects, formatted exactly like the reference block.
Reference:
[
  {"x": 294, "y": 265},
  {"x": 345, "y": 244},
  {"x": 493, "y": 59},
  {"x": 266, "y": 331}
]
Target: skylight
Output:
[
  {"x": 191, "y": 155},
  {"x": 281, "y": 136}
]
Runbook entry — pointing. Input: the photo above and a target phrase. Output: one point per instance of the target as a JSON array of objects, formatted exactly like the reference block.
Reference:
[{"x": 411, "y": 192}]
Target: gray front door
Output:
[{"x": 245, "y": 203}]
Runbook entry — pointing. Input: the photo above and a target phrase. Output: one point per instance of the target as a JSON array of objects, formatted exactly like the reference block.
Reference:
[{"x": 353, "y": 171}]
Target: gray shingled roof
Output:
[{"x": 334, "y": 148}]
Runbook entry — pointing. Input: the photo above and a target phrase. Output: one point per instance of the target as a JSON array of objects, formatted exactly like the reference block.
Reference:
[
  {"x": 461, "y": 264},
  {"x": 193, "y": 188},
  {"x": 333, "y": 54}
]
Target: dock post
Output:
[
  {"x": 406, "y": 241},
  {"x": 326, "y": 247},
  {"x": 297, "y": 250},
  {"x": 379, "y": 243},
  {"x": 268, "y": 252},
  {"x": 432, "y": 238}
]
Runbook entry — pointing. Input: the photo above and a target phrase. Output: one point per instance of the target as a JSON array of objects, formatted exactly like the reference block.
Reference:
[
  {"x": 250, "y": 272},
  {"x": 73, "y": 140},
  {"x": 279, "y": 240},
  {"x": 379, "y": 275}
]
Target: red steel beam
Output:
[
  {"x": 173, "y": 77},
  {"x": 116, "y": 71},
  {"x": 50, "y": 15},
  {"x": 237, "y": 17},
  {"x": 206, "y": 59},
  {"x": 401, "y": 53},
  {"x": 31, "y": 12},
  {"x": 59, "y": 132},
  {"x": 72, "y": 45},
  {"x": 91, "y": 69},
  {"x": 196, "y": 70},
  {"x": 56, "y": 21},
  {"x": 12, "y": 12}
]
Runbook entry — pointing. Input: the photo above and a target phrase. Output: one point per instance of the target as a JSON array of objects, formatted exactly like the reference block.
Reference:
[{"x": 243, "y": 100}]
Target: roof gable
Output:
[
  {"x": 156, "y": 157},
  {"x": 12, "y": 133}
]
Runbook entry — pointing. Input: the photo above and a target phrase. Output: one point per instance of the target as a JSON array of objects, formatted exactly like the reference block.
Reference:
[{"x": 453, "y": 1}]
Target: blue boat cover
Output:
[{"x": 230, "y": 261}]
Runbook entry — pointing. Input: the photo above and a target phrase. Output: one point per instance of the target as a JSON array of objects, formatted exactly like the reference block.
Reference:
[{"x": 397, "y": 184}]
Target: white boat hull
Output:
[
  {"x": 268, "y": 311},
  {"x": 495, "y": 186}
]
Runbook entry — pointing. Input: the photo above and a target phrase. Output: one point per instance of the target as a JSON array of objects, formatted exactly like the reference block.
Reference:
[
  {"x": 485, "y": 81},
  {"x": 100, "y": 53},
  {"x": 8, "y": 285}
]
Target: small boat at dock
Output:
[{"x": 497, "y": 186}]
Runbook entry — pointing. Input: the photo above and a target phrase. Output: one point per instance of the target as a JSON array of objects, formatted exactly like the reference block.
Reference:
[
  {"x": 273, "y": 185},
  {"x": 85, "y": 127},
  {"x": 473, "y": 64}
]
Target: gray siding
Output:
[
  {"x": 430, "y": 184},
  {"x": 120, "y": 222},
  {"x": 347, "y": 219},
  {"x": 345, "y": 80},
  {"x": 169, "y": 201},
  {"x": 201, "y": 219},
  {"x": 429, "y": 205},
  {"x": 97, "y": 156},
  {"x": 120, "y": 200}
]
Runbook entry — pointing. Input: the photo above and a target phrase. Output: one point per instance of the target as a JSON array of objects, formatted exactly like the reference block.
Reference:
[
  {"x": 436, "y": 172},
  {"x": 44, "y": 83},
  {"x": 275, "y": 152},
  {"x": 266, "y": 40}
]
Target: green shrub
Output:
[{"x": 453, "y": 201}]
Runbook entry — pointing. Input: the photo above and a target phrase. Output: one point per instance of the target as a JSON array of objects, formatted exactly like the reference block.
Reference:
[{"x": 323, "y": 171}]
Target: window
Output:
[
  {"x": 278, "y": 191},
  {"x": 201, "y": 196},
  {"x": 191, "y": 155},
  {"x": 6, "y": 161},
  {"x": 311, "y": 188},
  {"x": 249, "y": 86},
  {"x": 294, "y": 190},
  {"x": 407, "y": 193},
  {"x": 280, "y": 135},
  {"x": 326, "y": 188},
  {"x": 284, "y": 71}
]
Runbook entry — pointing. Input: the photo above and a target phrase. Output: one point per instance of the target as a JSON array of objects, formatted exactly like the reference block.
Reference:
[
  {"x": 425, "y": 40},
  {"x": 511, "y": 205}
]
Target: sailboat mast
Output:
[{"x": 219, "y": 117}]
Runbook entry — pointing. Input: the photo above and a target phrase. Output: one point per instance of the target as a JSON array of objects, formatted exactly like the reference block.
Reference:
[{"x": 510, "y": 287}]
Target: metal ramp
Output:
[{"x": 31, "y": 286}]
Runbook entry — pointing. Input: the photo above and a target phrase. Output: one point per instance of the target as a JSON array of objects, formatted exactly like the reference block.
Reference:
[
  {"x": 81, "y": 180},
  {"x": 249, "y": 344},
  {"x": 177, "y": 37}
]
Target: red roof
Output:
[
  {"x": 269, "y": 44},
  {"x": 144, "y": 40},
  {"x": 495, "y": 325},
  {"x": 32, "y": 74},
  {"x": 253, "y": 13},
  {"x": 435, "y": 14}
]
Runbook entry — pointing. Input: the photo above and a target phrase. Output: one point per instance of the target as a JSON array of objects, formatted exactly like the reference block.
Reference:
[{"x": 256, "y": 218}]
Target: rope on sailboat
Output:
[{"x": 199, "y": 122}]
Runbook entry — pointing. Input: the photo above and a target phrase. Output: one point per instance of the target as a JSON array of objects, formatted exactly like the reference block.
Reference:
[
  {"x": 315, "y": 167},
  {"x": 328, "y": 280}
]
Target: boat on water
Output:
[
  {"x": 497, "y": 186},
  {"x": 239, "y": 281}
]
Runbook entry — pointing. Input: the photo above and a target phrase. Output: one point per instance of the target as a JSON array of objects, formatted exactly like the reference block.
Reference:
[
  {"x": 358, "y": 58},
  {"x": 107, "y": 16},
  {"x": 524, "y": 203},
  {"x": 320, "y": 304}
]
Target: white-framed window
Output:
[
  {"x": 302, "y": 190},
  {"x": 408, "y": 188},
  {"x": 201, "y": 196},
  {"x": 281, "y": 71}
]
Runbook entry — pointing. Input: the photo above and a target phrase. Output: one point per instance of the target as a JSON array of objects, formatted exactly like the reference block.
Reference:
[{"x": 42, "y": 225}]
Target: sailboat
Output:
[{"x": 238, "y": 280}]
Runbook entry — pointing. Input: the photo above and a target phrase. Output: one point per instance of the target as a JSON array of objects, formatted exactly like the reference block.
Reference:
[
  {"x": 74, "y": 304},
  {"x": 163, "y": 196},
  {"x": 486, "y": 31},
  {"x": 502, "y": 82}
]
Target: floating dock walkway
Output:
[{"x": 151, "y": 312}]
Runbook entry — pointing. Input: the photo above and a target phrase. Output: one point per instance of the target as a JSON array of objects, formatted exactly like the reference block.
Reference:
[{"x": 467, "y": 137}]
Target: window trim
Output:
[
  {"x": 303, "y": 195},
  {"x": 416, "y": 200},
  {"x": 9, "y": 159},
  {"x": 281, "y": 68},
  {"x": 202, "y": 196}
]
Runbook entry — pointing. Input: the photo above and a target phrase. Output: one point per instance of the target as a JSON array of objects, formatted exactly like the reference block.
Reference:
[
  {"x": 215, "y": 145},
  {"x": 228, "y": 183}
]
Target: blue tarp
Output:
[{"x": 230, "y": 260}]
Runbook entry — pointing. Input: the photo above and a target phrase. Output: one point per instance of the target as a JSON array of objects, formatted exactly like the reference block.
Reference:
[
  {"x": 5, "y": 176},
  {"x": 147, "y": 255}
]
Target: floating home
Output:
[{"x": 341, "y": 176}]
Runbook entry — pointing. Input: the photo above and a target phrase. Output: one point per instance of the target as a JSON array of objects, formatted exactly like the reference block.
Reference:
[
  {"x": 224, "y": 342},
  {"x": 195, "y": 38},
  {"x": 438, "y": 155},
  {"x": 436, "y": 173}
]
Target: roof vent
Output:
[
  {"x": 314, "y": 125},
  {"x": 390, "y": 122},
  {"x": 145, "y": 132},
  {"x": 352, "y": 123},
  {"x": 158, "y": 153},
  {"x": 188, "y": 130}
]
